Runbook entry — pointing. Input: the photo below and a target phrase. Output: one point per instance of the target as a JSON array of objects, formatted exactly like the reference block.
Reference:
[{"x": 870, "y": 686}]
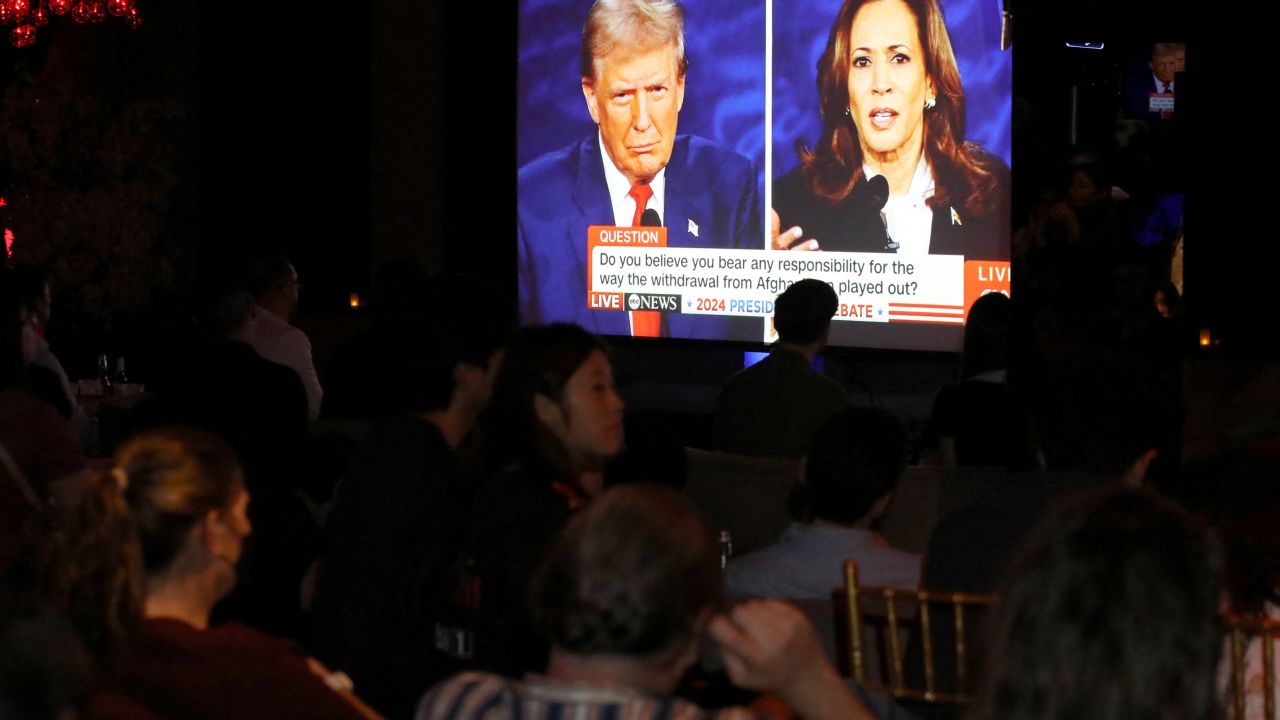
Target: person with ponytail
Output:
[{"x": 139, "y": 566}]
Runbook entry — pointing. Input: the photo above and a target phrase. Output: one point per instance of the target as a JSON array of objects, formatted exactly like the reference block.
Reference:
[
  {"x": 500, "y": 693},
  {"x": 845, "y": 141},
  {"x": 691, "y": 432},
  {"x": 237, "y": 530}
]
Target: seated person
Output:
[
  {"x": 141, "y": 563},
  {"x": 553, "y": 423},
  {"x": 45, "y": 375},
  {"x": 1112, "y": 611},
  {"x": 975, "y": 420},
  {"x": 625, "y": 597},
  {"x": 274, "y": 284},
  {"x": 773, "y": 408},
  {"x": 396, "y": 521},
  {"x": 850, "y": 474}
]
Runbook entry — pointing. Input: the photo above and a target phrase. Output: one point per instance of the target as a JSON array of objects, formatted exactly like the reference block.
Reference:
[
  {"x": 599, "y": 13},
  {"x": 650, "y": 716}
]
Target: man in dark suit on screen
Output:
[{"x": 633, "y": 69}]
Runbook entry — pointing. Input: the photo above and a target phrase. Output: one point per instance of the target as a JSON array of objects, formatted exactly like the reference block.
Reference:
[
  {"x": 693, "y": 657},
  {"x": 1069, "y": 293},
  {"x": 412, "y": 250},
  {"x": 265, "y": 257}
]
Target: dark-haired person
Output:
[
  {"x": 625, "y": 597},
  {"x": 553, "y": 423},
  {"x": 855, "y": 462},
  {"x": 892, "y": 106},
  {"x": 974, "y": 420},
  {"x": 141, "y": 563},
  {"x": 633, "y": 67},
  {"x": 40, "y": 456},
  {"x": 774, "y": 407},
  {"x": 397, "y": 518},
  {"x": 274, "y": 284},
  {"x": 45, "y": 372},
  {"x": 260, "y": 409},
  {"x": 1104, "y": 421},
  {"x": 1111, "y": 612}
]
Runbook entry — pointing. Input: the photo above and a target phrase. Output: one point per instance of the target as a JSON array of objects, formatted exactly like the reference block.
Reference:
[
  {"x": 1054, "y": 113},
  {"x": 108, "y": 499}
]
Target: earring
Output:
[
  {"x": 847, "y": 113},
  {"x": 929, "y": 103}
]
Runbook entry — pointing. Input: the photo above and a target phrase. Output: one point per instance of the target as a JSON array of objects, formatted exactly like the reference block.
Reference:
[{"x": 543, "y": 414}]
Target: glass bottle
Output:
[
  {"x": 726, "y": 548},
  {"x": 120, "y": 377},
  {"x": 104, "y": 374}
]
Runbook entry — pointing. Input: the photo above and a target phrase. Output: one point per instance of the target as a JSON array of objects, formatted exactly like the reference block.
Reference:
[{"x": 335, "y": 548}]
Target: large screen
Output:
[{"x": 865, "y": 144}]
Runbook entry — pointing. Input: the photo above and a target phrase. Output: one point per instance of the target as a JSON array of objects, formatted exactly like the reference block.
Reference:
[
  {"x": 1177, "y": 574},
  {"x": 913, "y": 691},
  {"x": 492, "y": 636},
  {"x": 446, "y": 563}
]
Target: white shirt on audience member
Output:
[
  {"x": 280, "y": 342},
  {"x": 807, "y": 563}
]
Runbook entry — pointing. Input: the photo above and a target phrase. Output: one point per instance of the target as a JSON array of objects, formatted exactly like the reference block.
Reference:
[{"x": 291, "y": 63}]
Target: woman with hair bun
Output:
[{"x": 139, "y": 565}]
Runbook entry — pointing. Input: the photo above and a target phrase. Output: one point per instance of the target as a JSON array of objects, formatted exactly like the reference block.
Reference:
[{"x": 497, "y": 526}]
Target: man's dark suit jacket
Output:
[{"x": 564, "y": 192}]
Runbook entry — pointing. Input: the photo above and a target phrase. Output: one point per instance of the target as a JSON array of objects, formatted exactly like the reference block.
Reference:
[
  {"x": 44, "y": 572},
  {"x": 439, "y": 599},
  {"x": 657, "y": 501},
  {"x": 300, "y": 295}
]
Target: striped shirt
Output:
[{"x": 481, "y": 696}]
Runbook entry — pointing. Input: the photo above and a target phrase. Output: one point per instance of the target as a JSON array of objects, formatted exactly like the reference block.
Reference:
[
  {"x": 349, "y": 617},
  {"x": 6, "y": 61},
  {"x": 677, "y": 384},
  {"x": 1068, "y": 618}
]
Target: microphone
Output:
[
  {"x": 650, "y": 217},
  {"x": 870, "y": 195},
  {"x": 875, "y": 192}
]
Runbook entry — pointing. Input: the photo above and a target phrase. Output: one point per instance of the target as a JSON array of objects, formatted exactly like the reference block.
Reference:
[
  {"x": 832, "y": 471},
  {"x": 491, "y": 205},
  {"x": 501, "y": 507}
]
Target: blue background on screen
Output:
[
  {"x": 800, "y": 30},
  {"x": 725, "y": 92}
]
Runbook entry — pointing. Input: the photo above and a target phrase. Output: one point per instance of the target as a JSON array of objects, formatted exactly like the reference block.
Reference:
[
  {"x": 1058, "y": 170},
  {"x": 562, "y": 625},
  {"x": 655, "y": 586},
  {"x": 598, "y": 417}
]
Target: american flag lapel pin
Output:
[{"x": 693, "y": 228}]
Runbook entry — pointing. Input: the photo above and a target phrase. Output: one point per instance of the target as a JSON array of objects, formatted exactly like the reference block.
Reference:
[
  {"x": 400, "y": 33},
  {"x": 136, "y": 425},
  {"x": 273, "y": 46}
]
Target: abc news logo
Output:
[{"x": 645, "y": 301}]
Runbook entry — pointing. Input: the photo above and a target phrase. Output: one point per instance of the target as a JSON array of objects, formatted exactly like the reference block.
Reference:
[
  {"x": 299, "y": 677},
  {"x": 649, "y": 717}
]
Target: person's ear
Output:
[
  {"x": 466, "y": 375},
  {"x": 1136, "y": 475},
  {"x": 547, "y": 410},
  {"x": 589, "y": 94},
  {"x": 206, "y": 531},
  {"x": 882, "y": 506},
  {"x": 680, "y": 91}
]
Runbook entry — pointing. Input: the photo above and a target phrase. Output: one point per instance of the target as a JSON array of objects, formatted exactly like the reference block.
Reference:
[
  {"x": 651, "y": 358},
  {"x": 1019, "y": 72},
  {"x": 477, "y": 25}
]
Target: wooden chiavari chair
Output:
[
  {"x": 896, "y": 617},
  {"x": 1241, "y": 632}
]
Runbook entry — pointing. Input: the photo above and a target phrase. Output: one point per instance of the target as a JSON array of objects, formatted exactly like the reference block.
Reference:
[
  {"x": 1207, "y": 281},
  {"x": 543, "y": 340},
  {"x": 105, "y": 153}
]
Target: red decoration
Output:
[
  {"x": 32, "y": 14},
  {"x": 22, "y": 36}
]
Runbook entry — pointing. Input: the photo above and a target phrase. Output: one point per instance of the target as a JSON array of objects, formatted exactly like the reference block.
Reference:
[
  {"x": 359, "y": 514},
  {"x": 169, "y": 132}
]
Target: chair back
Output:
[
  {"x": 1243, "y": 634},
  {"x": 747, "y": 496},
  {"x": 883, "y": 621}
]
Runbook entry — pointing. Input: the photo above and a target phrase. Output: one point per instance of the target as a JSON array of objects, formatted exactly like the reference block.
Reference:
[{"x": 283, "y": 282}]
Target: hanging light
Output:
[
  {"x": 31, "y": 14},
  {"x": 22, "y": 36}
]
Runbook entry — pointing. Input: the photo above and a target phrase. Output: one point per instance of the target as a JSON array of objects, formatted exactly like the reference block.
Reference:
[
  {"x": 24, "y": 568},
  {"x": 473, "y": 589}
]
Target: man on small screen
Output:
[
  {"x": 1167, "y": 60},
  {"x": 634, "y": 170}
]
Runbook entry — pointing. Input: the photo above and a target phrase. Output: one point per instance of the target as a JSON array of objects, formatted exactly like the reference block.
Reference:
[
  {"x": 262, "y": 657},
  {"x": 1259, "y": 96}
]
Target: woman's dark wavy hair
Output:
[
  {"x": 833, "y": 167},
  {"x": 632, "y": 575},
  {"x": 539, "y": 361},
  {"x": 1110, "y": 614}
]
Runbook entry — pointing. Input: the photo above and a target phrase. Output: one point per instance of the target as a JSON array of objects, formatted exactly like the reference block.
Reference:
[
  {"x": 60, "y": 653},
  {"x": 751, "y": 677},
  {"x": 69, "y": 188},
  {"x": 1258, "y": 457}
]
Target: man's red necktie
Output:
[{"x": 644, "y": 323}]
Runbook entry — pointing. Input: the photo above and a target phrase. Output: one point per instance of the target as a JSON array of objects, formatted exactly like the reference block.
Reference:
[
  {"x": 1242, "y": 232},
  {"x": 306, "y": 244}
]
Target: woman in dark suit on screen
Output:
[{"x": 892, "y": 171}]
